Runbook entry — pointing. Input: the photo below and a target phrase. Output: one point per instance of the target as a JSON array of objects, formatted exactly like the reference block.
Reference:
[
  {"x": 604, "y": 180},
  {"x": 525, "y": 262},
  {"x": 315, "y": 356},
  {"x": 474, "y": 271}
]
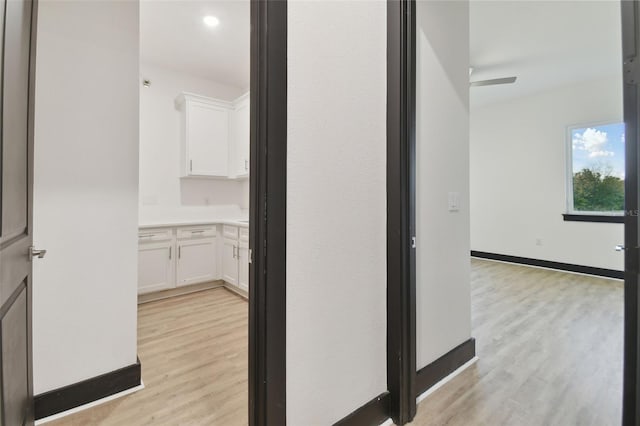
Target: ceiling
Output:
[
  {"x": 545, "y": 43},
  {"x": 173, "y": 35}
]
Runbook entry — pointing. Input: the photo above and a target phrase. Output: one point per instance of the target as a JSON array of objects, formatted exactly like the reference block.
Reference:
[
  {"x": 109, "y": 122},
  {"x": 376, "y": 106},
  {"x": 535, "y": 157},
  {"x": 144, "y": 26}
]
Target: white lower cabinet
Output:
[
  {"x": 196, "y": 261},
  {"x": 243, "y": 266},
  {"x": 229, "y": 261},
  {"x": 173, "y": 257},
  {"x": 155, "y": 266},
  {"x": 170, "y": 257},
  {"x": 235, "y": 257}
]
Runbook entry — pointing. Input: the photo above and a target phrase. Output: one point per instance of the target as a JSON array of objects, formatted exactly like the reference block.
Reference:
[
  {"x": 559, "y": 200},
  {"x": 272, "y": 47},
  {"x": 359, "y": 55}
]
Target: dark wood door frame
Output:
[
  {"x": 631, "y": 49},
  {"x": 401, "y": 285},
  {"x": 401, "y": 223},
  {"x": 267, "y": 227}
]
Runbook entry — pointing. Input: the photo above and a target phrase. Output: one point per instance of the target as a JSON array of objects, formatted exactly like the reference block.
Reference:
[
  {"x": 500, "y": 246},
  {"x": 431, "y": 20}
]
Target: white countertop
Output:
[{"x": 243, "y": 223}]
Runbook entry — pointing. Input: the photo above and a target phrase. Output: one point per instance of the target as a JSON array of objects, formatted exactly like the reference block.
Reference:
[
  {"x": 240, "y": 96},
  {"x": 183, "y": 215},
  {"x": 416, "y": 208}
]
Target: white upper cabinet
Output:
[
  {"x": 205, "y": 134},
  {"x": 215, "y": 136},
  {"x": 241, "y": 127}
]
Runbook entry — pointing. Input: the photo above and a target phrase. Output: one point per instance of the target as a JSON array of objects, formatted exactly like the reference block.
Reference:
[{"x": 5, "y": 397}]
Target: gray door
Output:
[{"x": 17, "y": 71}]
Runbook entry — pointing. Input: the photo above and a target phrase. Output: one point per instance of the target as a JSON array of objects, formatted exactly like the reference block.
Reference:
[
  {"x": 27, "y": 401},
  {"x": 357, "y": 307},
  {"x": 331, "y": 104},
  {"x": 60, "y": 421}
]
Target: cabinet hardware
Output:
[
  {"x": 170, "y": 252},
  {"x": 191, "y": 165},
  {"x": 197, "y": 232},
  {"x": 246, "y": 165},
  {"x": 179, "y": 252},
  {"x": 234, "y": 252},
  {"x": 148, "y": 236}
]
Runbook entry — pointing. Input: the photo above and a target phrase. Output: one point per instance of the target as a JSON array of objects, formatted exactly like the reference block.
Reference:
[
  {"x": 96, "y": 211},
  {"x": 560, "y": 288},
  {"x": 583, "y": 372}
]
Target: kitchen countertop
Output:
[{"x": 171, "y": 224}]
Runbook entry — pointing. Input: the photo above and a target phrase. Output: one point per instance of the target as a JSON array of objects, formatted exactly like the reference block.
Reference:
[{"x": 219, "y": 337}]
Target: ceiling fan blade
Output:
[{"x": 506, "y": 80}]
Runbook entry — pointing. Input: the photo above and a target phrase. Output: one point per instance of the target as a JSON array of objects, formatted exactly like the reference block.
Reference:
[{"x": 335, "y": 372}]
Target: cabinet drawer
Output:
[
  {"x": 151, "y": 235},
  {"x": 230, "y": 232},
  {"x": 244, "y": 234},
  {"x": 196, "y": 232}
]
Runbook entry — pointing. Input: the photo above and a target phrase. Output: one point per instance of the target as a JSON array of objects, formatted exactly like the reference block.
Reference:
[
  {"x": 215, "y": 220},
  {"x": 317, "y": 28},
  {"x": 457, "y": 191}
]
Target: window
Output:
[{"x": 596, "y": 163}]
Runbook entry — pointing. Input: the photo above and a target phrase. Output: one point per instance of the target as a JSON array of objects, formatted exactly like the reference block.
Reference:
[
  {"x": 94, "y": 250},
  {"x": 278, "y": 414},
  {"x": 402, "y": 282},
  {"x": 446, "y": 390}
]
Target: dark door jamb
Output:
[
  {"x": 401, "y": 279},
  {"x": 267, "y": 211},
  {"x": 401, "y": 284},
  {"x": 631, "y": 76}
]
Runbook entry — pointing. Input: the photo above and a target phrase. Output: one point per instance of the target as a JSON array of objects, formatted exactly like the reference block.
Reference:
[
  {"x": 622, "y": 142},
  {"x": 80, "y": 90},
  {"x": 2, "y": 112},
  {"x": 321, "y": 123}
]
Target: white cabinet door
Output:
[
  {"x": 207, "y": 136},
  {"x": 230, "y": 261},
  {"x": 155, "y": 266},
  {"x": 196, "y": 261},
  {"x": 241, "y": 136},
  {"x": 243, "y": 266}
]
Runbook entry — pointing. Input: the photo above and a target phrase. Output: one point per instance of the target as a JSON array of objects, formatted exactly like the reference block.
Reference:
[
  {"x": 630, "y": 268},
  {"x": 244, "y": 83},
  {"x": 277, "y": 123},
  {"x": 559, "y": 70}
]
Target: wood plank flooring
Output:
[
  {"x": 550, "y": 349},
  {"x": 193, "y": 351}
]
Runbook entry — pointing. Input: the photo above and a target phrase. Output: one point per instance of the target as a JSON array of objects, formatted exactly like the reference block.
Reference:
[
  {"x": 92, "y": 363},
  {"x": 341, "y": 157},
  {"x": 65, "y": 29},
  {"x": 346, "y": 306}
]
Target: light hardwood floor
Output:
[
  {"x": 193, "y": 351},
  {"x": 550, "y": 348},
  {"x": 550, "y": 352}
]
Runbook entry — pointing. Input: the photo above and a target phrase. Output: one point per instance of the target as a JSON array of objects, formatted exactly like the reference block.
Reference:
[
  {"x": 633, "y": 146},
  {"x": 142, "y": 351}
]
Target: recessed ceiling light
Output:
[{"x": 211, "y": 21}]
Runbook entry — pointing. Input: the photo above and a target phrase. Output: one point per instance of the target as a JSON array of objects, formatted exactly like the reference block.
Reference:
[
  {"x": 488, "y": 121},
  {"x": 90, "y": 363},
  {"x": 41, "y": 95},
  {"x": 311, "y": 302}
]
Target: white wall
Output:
[
  {"x": 86, "y": 190},
  {"x": 336, "y": 213},
  {"x": 518, "y": 172},
  {"x": 443, "y": 307},
  {"x": 163, "y": 195}
]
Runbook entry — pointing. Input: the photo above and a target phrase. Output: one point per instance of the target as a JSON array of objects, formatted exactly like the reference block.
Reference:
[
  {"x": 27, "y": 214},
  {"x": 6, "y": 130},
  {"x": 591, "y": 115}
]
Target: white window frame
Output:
[{"x": 569, "y": 170}]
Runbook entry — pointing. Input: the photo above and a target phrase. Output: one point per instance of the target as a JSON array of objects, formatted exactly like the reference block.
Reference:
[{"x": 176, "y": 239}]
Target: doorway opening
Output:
[
  {"x": 545, "y": 146},
  {"x": 519, "y": 117},
  {"x": 193, "y": 258},
  {"x": 210, "y": 304}
]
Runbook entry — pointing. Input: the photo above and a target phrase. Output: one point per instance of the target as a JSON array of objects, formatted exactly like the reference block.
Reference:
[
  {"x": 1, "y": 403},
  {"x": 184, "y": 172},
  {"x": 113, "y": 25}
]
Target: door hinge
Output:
[
  {"x": 621, "y": 247},
  {"x": 250, "y": 256},
  {"x": 631, "y": 71},
  {"x": 413, "y": 242}
]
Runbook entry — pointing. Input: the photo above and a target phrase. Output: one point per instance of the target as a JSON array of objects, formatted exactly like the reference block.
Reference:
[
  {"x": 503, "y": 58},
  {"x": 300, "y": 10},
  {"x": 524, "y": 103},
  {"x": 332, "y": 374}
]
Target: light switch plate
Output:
[{"x": 454, "y": 201}]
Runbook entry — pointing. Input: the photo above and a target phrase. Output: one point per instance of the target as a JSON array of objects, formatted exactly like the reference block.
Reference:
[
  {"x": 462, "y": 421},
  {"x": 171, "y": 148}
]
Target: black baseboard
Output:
[
  {"x": 372, "y": 413},
  {"x": 445, "y": 365},
  {"x": 593, "y": 218},
  {"x": 77, "y": 394},
  {"x": 589, "y": 270}
]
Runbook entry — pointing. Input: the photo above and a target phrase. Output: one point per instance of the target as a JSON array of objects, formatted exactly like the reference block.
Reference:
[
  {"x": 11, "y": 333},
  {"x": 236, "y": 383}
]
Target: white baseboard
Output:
[
  {"x": 89, "y": 405},
  {"x": 444, "y": 381}
]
